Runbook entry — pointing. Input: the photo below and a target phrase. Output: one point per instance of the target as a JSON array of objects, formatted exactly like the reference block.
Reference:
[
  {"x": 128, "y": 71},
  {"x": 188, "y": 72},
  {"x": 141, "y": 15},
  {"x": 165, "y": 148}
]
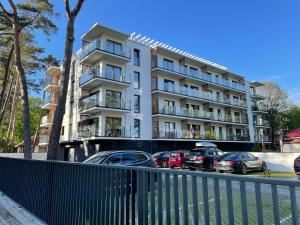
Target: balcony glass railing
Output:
[
  {"x": 104, "y": 47},
  {"x": 91, "y": 74},
  {"x": 197, "y": 114},
  {"x": 179, "y": 69},
  {"x": 114, "y": 103},
  {"x": 181, "y": 90},
  {"x": 194, "y": 134},
  {"x": 263, "y": 108},
  {"x": 43, "y": 139},
  {"x": 93, "y": 131},
  {"x": 260, "y": 123},
  {"x": 262, "y": 138}
]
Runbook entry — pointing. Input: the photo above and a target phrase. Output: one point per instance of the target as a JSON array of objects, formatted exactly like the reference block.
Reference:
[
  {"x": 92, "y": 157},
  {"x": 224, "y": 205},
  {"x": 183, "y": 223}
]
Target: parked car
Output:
[
  {"x": 203, "y": 158},
  {"x": 178, "y": 159},
  {"x": 122, "y": 158},
  {"x": 240, "y": 162},
  {"x": 161, "y": 159},
  {"x": 297, "y": 167}
]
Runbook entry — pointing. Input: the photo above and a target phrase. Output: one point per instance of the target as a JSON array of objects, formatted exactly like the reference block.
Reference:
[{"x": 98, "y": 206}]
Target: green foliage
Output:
[
  {"x": 256, "y": 148},
  {"x": 293, "y": 118},
  {"x": 35, "y": 107}
]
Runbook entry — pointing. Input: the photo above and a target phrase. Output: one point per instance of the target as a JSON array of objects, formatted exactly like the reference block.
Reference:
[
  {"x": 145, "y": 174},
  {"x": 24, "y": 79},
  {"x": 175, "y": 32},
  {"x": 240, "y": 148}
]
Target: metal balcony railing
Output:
[
  {"x": 263, "y": 108},
  {"x": 91, "y": 74},
  {"x": 197, "y": 114},
  {"x": 102, "y": 46},
  {"x": 93, "y": 131},
  {"x": 105, "y": 194},
  {"x": 181, "y": 90},
  {"x": 179, "y": 69},
  {"x": 109, "y": 102},
  {"x": 260, "y": 123}
]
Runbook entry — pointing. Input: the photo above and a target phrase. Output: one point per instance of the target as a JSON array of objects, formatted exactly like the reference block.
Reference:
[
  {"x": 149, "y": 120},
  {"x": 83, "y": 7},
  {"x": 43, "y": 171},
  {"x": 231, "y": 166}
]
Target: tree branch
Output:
[
  {"x": 13, "y": 7},
  {"x": 6, "y": 14},
  {"x": 67, "y": 6},
  {"x": 77, "y": 8}
]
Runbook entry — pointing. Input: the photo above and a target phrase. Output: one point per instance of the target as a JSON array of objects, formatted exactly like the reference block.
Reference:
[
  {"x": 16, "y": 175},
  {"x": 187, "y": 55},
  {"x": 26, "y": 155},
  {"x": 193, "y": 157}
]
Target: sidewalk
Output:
[{"x": 13, "y": 214}]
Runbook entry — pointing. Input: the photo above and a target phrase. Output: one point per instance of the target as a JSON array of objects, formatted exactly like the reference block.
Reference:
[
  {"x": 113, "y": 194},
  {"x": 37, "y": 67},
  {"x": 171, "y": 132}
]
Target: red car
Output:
[{"x": 178, "y": 159}]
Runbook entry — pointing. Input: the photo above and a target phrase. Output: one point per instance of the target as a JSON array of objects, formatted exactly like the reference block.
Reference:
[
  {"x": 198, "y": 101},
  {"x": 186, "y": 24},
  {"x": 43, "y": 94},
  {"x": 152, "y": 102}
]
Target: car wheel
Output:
[
  {"x": 183, "y": 166},
  {"x": 172, "y": 167},
  {"x": 164, "y": 164},
  {"x": 243, "y": 169},
  {"x": 210, "y": 167},
  {"x": 263, "y": 167}
]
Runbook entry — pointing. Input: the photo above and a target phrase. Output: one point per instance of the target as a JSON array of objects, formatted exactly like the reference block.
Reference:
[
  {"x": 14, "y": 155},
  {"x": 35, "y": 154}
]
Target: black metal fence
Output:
[{"x": 71, "y": 193}]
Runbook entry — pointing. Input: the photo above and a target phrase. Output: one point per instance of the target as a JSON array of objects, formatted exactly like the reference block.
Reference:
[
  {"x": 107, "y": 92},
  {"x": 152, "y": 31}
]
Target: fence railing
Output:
[{"x": 72, "y": 193}]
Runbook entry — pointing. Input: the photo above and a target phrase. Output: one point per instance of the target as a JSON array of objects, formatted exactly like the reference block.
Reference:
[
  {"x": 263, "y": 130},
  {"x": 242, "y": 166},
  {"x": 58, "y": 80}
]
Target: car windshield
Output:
[
  {"x": 96, "y": 159},
  {"x": 158, "y": 154},
  {"x": 198, "y": 153},
  {"x": 231, "y": 156}
]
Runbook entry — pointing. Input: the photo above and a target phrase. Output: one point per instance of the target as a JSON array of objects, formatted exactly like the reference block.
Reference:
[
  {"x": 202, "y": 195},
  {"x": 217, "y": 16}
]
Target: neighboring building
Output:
[
  {"x": 130, "y": 92},
  {"x": 49, "y": 104},
  {"x": 262, "y": 133},
  {"x": 291, "y": 142}
]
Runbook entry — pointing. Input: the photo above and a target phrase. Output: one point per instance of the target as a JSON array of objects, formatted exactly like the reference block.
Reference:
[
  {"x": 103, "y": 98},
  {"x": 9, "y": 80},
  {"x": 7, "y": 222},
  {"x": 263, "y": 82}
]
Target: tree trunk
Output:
[
  {"x": 23, "y": 90},
  {"x": 2, "y": 112},
  {"x": 6, "y": 75},
  {"x": 12, "y": 115},
  {"x": 12, "y": 145},
  {"x": 53, "y": 145}
]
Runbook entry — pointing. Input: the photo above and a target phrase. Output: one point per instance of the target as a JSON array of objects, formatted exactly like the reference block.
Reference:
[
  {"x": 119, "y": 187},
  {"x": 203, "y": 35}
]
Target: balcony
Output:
[
  {"x": 91, "y": 104},
  {"x": 98, "y": 49},
  {"x": 91, "y": 131},
  {"x": 194, "y": 135},
  {"x": 257, "y": 96},
  {"x": 48, "y": 103},
  {"x": 198, "y": 95},
  {"x": 185, "y": 113},
  {"x": 260, "y": 108},
  {"x": 50, "y": 84},
  {"x": 45, "y": 121},
  {"x": 262, "y": 138},
  {"x": 181, "y": 71},
  {"x": 93, "y": 78},
  {"x": 260, "y": 123}
]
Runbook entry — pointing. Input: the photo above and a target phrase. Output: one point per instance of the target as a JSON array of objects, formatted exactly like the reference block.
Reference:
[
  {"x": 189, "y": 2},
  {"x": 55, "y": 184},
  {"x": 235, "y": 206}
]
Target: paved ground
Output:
[
  {"x": 13, "y": 214},
  {"x": 6, "y": 218}
]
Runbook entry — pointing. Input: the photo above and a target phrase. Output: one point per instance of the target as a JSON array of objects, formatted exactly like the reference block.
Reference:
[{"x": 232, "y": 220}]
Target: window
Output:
[
  {"x": 169, "y": 107},
  {"x": 234, "y": 84},
  {"x": 136, "y": 59},
  {"x": 168, "y": 64},
  {"x": 170, "y": 130},
  {"x": 137, "y": 125},
  {"x": 220, "y": 133},
  {"x": 114, "y": 47},
  {"x": 113, "y": 127},
  {"x": 136, "y": 83},
  {"x": 136, "y": 103},
  {"x": 218, "y": 96},
  {"x": 62, "y": 130},
  {"x": 235, "y": 100},
  {"x": 193, "y": 72},
  {"x": 113, "y": 72},
  {"x": 113, "y": 99},
  {"x": 168, "y": 85},
  {"x": 194, "y": 91}
]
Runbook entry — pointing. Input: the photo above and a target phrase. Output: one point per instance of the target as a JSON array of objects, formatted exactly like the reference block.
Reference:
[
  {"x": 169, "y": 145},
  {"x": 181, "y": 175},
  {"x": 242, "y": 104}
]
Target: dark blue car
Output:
[{"x": 161, "y": 159}]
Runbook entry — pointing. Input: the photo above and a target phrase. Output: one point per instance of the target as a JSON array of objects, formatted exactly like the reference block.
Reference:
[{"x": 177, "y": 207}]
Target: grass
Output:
[{"x": 275, "y": 174}]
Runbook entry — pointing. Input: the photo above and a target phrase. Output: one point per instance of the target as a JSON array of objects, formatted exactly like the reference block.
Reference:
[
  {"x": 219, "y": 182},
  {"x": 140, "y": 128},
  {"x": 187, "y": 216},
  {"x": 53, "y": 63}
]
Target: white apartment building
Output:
[{"x": 131, "y": 92}]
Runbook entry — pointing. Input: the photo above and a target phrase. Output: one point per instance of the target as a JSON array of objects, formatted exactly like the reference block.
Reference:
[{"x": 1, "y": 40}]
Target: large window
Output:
[
  {"x": 137, "y": 128},
  {"x": 170, "y": 130},
  {"x": 113, "y": 72},
  {"x": 136, "y": 103},
  {"x": 136, "y": 57},
  {"x": 114, "y": 47},
  {"x": 169, "y": 107},
  {"x": 168, "y": 64},
  {"x": 168, "y": 85},
  {"x": 113, "y": 99},
  {"x": 113, "y": 127},
  {"x": 136, "y": 83}
]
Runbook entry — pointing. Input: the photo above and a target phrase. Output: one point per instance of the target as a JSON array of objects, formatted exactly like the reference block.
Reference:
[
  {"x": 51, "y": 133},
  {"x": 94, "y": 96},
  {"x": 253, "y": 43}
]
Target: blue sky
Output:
[{"x": 259, "y": 39}]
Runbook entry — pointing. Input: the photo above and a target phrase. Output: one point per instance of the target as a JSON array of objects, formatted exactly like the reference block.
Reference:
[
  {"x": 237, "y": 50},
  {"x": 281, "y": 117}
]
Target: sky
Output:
[{"x": 259, "y": 39}]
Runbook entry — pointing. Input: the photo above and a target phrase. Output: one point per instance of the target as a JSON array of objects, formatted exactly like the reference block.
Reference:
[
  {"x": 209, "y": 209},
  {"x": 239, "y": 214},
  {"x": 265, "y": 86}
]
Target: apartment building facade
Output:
[{"x": 130, "y": 92}]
